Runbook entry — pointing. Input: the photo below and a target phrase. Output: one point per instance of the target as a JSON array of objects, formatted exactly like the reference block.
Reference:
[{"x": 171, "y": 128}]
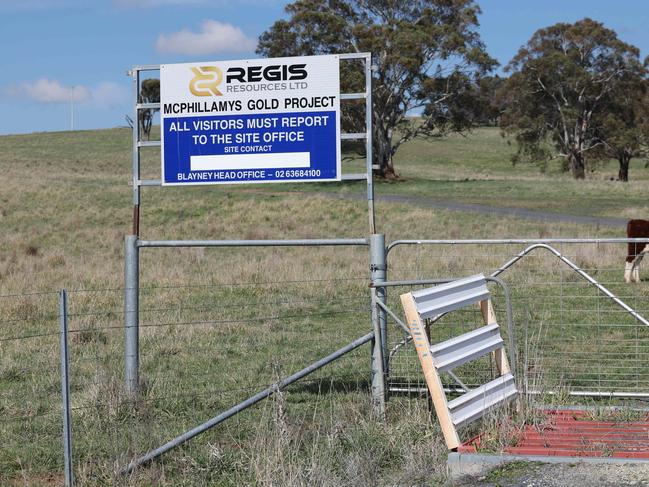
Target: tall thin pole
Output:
[
  {"x": 379, "y": 268},
  {"x": 135, "y": 81},
  {"x": 368, "y": 142},
  {"x": 131, "y": 315},
  {"x": 379, "y": 369},
  {"x": 65, "y": 389},
  {"x": 72, "y": 108}
]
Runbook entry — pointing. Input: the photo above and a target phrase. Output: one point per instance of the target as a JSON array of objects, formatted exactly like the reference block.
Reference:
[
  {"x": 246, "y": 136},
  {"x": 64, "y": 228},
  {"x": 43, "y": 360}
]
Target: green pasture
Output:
[{"x": 221, "y": 324}]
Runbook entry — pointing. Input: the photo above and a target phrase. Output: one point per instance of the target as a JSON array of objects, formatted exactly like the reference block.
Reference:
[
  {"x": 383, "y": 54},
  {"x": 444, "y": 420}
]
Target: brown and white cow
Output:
[{"x": 635, "y": 229}]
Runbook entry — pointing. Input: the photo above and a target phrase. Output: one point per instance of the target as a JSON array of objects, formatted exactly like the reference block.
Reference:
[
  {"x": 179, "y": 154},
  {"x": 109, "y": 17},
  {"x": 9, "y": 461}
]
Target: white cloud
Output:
[
  {"x": 50, "y": 91},
  {"x": 214, "y": 37},
  {"x": 109, "y": 95},
  {"x": 105, "y": 95}
]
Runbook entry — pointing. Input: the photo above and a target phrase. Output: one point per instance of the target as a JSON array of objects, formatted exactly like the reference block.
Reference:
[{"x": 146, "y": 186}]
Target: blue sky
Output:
[{"x": 55, "y": 51}]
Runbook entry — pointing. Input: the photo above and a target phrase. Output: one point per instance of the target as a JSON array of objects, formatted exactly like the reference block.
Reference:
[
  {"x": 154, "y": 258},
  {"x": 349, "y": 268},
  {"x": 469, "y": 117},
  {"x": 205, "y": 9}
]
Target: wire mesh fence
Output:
[
  {"x": 570, "y": 336},
  {"x": 581, "y": 339},
  {"x": 205, "y": 347},
  {"x": 30, "y": 388}
]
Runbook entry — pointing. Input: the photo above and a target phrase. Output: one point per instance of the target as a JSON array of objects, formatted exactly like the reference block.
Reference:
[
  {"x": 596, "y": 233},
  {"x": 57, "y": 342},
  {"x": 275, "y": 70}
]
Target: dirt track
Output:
[{"x": 543, "y": 216}]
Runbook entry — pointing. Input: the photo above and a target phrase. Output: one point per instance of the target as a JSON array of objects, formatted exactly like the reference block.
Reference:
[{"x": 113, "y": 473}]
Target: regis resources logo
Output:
[
  {"x": 250, "y": 78},
  {"x": 206, "y": 81}
]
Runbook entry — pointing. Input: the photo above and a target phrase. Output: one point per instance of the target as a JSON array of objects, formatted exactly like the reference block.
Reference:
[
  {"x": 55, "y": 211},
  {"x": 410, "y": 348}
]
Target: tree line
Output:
[{"x": 574, "y": 91}]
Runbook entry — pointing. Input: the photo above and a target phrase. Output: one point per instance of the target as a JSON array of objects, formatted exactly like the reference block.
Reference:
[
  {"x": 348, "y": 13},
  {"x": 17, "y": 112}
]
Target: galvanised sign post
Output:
[{"x": 251, "y": 121}]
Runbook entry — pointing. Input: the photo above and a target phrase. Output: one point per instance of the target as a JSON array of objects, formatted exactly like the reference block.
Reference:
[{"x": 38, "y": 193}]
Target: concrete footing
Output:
[{"x": 461, "y": 465}]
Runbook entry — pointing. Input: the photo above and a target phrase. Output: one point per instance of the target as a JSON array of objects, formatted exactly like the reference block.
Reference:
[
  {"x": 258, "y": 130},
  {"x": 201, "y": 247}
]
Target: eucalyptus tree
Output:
[
  {"x": 149, "y": 93},
  {"x": 623, "y": 127},
  {"x": 427, "y": 54},
  {"x": 562, "y": 82}
]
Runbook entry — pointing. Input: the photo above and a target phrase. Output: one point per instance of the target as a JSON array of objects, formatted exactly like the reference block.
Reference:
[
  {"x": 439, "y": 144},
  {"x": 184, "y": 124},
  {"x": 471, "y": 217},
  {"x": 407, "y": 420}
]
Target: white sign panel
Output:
[{"x": 251, "y": 121}]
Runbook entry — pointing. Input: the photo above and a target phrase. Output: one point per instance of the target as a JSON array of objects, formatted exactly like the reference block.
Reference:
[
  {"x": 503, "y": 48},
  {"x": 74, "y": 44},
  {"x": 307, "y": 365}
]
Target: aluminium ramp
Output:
[{"x": 431, "y": 303}]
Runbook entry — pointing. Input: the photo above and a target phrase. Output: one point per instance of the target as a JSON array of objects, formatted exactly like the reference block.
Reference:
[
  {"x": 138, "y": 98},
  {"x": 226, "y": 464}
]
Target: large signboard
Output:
[{"x": 251, "y": 121}]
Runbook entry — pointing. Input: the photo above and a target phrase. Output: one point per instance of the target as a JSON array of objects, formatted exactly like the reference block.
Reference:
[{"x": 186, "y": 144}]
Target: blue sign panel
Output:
[{"x": 297, "y": 146}]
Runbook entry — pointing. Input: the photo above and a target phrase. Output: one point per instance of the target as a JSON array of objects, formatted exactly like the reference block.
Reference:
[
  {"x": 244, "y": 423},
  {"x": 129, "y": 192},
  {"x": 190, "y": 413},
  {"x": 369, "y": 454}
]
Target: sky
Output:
[{"x": 64, "y": 62}]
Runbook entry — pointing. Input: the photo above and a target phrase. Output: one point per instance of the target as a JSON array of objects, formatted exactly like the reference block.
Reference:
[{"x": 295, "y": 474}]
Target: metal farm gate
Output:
[{"x": 578, "y": 338}]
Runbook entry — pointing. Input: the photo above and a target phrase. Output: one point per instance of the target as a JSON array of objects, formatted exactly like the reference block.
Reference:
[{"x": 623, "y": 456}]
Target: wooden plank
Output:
[
  {"x": 422, "y": 345},
  {"x": 488, "y": 313},
  {"x": 499, "y": 356}
]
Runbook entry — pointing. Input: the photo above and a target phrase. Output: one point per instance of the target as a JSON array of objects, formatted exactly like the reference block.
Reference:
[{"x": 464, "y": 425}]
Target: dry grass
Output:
[{"x": 219, "y": 324}]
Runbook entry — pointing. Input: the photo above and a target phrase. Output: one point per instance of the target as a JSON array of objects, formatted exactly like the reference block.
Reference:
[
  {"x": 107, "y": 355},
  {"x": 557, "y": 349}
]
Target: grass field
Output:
[
  {"x": 220, "y": 324},
  {"x": 478, "y": 169}
]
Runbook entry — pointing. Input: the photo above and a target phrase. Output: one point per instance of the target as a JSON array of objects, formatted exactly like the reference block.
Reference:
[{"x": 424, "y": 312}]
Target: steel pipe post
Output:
[
  {"x": 379, "y": 269},
  {"x": 65, "y": 389},
  {"x": 379, "y": 323},
  {"x": 135, "y": 88},
  {"x": 368, "y": 142},
  {"x": 378, "y": 377},
  {"x": 131, "y": 315}
]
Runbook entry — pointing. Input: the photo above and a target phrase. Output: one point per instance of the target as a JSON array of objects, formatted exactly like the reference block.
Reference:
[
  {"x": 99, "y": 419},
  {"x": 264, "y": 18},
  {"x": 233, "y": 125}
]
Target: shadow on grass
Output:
[{"x": 330, "y": 385}]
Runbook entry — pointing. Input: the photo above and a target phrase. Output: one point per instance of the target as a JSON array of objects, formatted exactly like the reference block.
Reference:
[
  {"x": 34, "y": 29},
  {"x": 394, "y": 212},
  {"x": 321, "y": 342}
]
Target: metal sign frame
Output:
[
  {"x": 133, "y": 243},
  {"x": 138, "y": 144}
]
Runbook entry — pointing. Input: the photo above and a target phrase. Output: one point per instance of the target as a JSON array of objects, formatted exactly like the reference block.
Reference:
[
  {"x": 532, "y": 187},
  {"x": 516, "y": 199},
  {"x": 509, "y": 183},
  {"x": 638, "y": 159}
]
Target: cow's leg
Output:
[
  {"x": 635, "y": 275},
  {"x": 628, "y": 268}
]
